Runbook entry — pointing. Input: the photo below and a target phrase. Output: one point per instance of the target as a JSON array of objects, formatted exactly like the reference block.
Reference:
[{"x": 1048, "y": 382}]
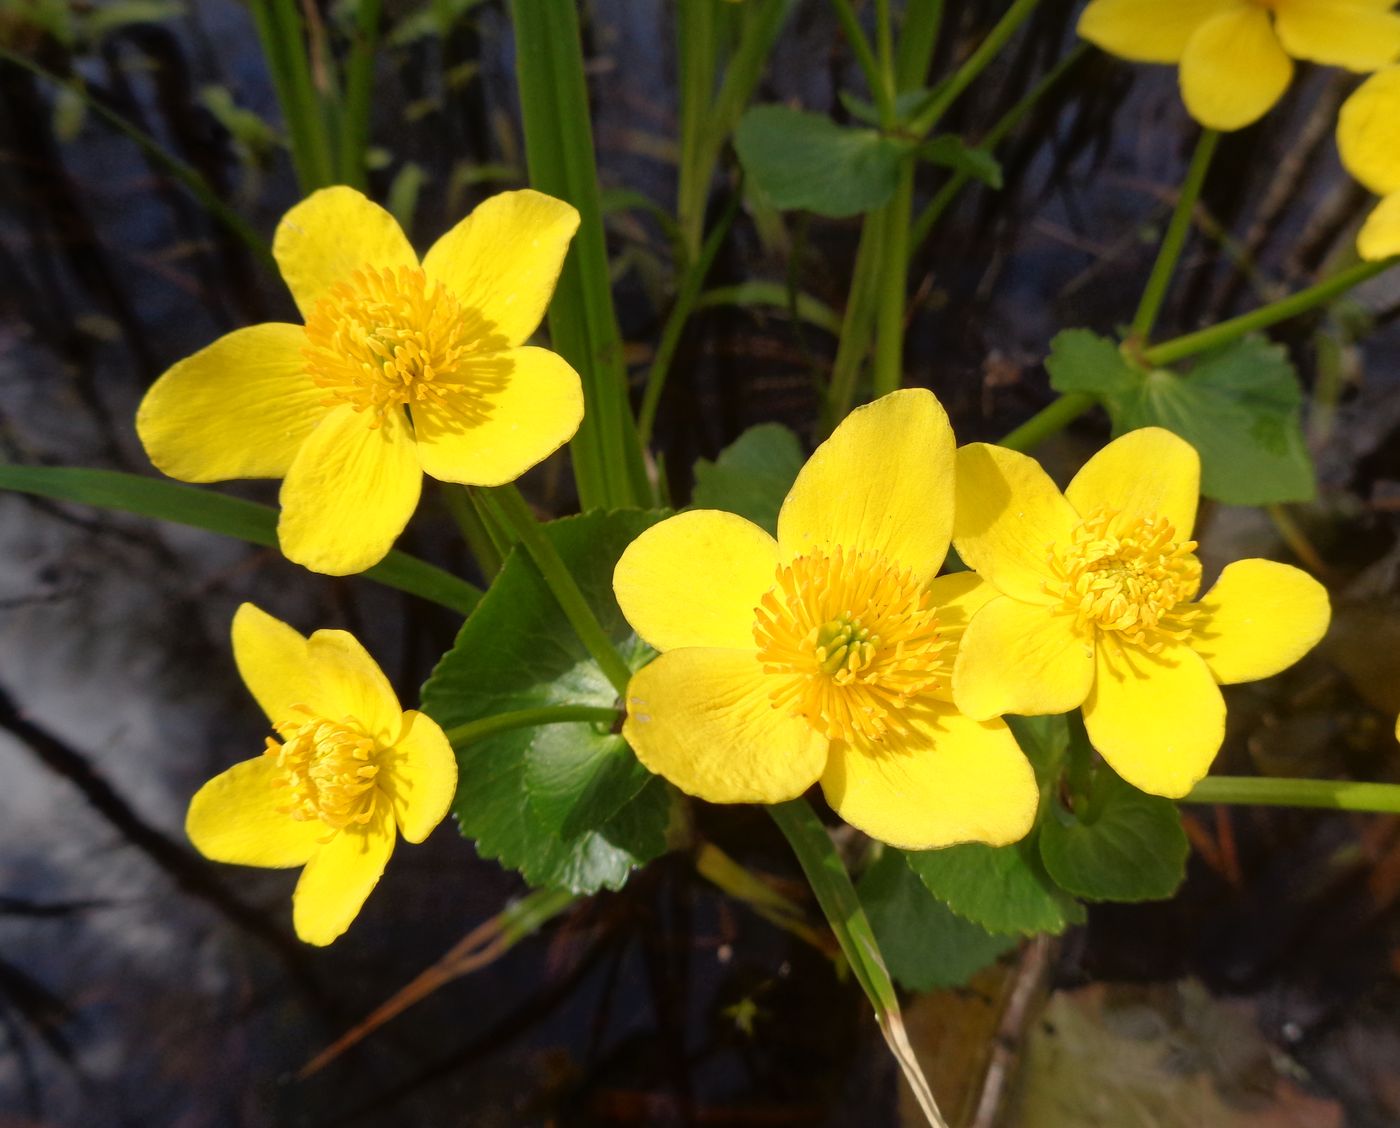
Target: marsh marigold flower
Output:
[
  {"x": 403, "y": 368},
  {"x": 1236, "y": 56},
  {"x": 1097, "y": 605},
  {"x": 1368, "y": 136},
  {"x": 826, "y": 654},
  {"x": 346, "y": 768}
]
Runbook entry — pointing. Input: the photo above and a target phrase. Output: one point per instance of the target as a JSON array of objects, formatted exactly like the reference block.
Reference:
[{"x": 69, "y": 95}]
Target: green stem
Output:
[
  {"x": 280, "y": 30},
  {"x": 884, "y": 45},
  {"x": 918, "y": 34},
  {"x": 839, "y": 902},
  {"x": 359, "y": 85},
  {"x": 485, "y": 550},
  {"x": 1329, "y": 794},
  {"x": 1058, "y": 414},
  {"x": 473, "y": 731},
  {"x": 686, "y": 298},
  {"x": 1179, "y": 348},
  {"x": 974, "y": 65},
  {"x": 1174, "y": 241},
  {"x": 513, "y": 513},
  {"x": 179, "y": 171},
  {"x": 869, "y": 65},
  {"x": 888, "y": 371},
  {"x": 695, "y": 53},
  {"x": 857, "y": 323}
]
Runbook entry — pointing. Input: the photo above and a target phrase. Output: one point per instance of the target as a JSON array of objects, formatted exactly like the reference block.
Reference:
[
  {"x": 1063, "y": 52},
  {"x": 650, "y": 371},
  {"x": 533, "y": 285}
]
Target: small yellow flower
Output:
[
  {"x": 1368, "y": 136},
  {"x": 349, "y": 766},
  {"x": 1098, "y": 605},
  {"x": 402, "y": 368},
  {"x": 1236, "y": 56},
  {"x": 826, "y": 654}
]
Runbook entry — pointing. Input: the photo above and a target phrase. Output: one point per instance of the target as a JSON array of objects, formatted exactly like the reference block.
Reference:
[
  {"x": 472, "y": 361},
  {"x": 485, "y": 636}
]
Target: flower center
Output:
[
  {"x": 387, "y": 339},
  {"x": 854, "y": 639},
  {"x": 328, "y": 770},
  {"x": 1128, "y": 575}
]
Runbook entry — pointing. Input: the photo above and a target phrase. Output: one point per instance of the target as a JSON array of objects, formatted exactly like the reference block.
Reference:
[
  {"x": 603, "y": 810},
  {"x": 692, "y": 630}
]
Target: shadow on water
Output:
[{"x": 140, "y": 985}]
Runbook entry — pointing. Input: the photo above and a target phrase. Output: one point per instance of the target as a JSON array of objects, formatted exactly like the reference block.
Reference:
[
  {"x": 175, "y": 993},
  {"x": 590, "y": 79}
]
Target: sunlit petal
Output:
[
  {"x": 349, "y": 683},
  {"x": 235, "y": 817},
  {"x": 1147, "y": 31},
  {"x": 273, "y": 662},
  {"x": 1149, "y": 473},
  {"x": 1021, "y": 658},
  {"x": 1360, "y": 36},
  {"x": 1258, "y": 619},
  {"x": 1234, "y": 69},
  {"x": 420, "y": 776},
  {"x": 1368, "y": 133},
  {"x": 340, "y": 876}
]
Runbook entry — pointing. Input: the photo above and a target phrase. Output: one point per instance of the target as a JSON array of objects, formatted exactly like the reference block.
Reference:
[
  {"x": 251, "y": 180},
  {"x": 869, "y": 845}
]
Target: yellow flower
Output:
[
  {"x": 1098, "y": 605},
  {"x": 1236, "y": 56},
  {"x": 402, "y": 368},
  {"x": 350, "y": 765},
  {"x": 826, "y": 654},
  {"x": 1368, "y": 135}
]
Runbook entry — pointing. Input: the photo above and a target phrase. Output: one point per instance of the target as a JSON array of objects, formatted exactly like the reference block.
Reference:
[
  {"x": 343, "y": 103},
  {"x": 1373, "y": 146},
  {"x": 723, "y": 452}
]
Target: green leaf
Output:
[
  {"x": 1002, "y": 888},
  {"x": 950, "y": 151},
  {"x": 1045, "y": 741},
  {"x": 219, "y": 513},
  {"x": 1123, "y": 846},
  {"x": 752, "y": 475},
  {"x": 802, "y": 160},
  {"x": 906, "y": 105},
  {"x": 926, "y": 945},
  {"x": 1081, "y": 361},
  {"x": 567, "y": 805}
]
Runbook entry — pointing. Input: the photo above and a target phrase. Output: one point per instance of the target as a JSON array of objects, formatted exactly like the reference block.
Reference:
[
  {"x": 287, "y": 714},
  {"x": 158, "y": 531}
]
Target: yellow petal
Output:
[
  {"x": 1258, "y": 619},
  {"x": 330, "y": 234},
  {"x": 420, "y": 776},
  {"x": 1022, "y": 658},
  {"x": 1360, "y": 36},
  {"x": 1009, "y": 514},
  {"x": 883, "y": 482},
  {"x": 504, "y": 259},
  {"x": 950, "y": 780},
  {"x": 234, "y": 818},
  {"x": 1233, "y": 69},
  {"x": 517, "y": 408},
  {"x": 696, "y": 579},
  {"x": 1368, "y": 133},
  {"x": 349, "y": 683},
  {"x": 237, "y": 409},
  {"x": 1147, "y": 31},
  {"x": 273, "y": 662},
  {"x": 1379, "y": 237},
  {"x": 349, "y": 493},
  {"x": 1157, "y": 719},
  {"x": 340, "y": 876},
  {"x": 702, "y": 718},
  {"x": 1149, "y": 473}
]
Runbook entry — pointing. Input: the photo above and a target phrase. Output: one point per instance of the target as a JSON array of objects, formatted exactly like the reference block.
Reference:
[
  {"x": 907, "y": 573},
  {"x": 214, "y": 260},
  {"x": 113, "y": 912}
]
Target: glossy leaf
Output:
[
  {"x": 1005, "y": 889},
  {"x": 752, "y": 475}
]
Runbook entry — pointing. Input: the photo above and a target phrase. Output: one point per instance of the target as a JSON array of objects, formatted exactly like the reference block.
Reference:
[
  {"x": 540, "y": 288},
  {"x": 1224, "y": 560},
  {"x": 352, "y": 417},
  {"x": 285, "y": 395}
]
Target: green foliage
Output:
[
  {"x": 1005, "y": 889},
  {"x": 218, "y": 513},
  {"x": 752, "y": 475},
  {"x": 950, "y": 151},
  {"x": 1117, "y": 845},
  {"x": 567, "y": 805},
  {"x": 925, "y": 944},
  {"x": 1239, "y": 407},
  {"x": 802, "y": 160}
]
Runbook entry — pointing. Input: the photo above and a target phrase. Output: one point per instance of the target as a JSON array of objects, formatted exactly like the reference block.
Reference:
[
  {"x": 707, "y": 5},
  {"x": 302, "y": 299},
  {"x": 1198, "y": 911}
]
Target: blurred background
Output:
[{"x": 140, "y": 985}]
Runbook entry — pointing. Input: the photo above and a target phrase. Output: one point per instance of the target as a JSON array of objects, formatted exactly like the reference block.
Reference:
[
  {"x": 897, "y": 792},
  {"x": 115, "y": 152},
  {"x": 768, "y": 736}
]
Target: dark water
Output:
[{"x": 139, "y": 986}]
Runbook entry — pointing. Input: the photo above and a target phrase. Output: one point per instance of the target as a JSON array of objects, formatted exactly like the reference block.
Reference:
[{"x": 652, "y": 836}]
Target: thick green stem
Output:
[
  {"x": 865, "y": 57},
  {"x": 1179, "y": 348},
  {"x": 513, "y": 513},
  {"x": 1058, "y": 414},
  {"x": 359, "y": 85},
  {"x": 472, "y": 731},
  {"x": 974, "y": 65},
  {"x": 695, "y": 53},
  {"x": 1329, "y": 794},
  {"x": 1155, "y": 293},
  {"x": 857, "y": 323},
  {"x": 280, "y": 33},
  {"x": 888, "y": 371},
  {"x": 481, "y": 542}
]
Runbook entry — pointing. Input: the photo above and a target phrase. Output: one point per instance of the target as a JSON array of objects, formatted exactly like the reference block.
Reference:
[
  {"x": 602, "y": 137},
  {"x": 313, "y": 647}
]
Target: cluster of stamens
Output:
[
  {"x": 384, "y": 340},
  {"x": 328, "y": 770},
  {"x": 1128, "y": 575},
  {"x": 854, "y": 639}
]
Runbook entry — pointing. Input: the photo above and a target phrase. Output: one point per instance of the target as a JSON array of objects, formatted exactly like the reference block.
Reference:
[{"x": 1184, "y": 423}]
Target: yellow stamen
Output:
[
  {"x": 328, "y": 770},
  {"x": 385, "y": 339},
  {"x": 854, "y": 637},
  {"x": 1128, "y": 575}
]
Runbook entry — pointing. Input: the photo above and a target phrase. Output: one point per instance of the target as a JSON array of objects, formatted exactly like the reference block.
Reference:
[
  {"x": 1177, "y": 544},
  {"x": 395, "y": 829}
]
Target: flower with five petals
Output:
[
  {"x": 1097, "y": 605},
  {"x": 403, "y": 368},
  {"x": 826, "y": 653},
  {"x": 1368, "y": 136},
  {"x": 348, "y": 767},
  {"x": 1236, "y": 56}
]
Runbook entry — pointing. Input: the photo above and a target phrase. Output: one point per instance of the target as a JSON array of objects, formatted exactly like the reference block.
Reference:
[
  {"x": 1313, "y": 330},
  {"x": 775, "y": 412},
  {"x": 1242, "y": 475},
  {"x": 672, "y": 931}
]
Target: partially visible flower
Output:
[
  {"x": 1097, "y": 605},
  {"x": 403, "y": 368},
  {"x": 826, "y": 654},
  {"x": 1236, "y": 56},
  {"x": 1368, "y": 136},
  {"x": 347, "y": 767}
]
